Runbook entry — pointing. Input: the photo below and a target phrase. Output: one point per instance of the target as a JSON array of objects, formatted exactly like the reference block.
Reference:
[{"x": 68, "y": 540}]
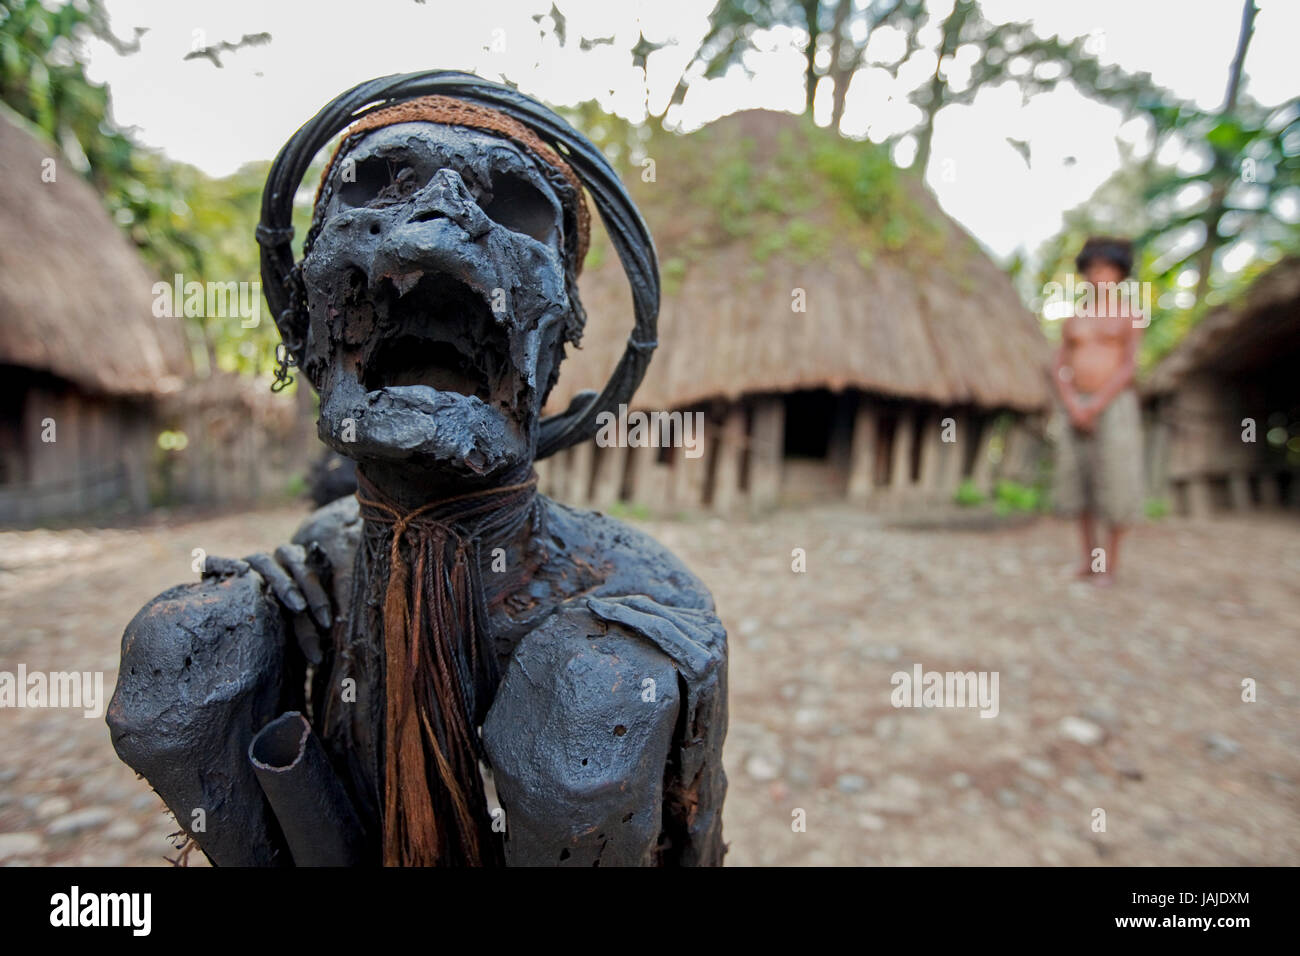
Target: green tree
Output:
[
  {"x": 835, "y": 37},
  {"x": 1245, "y": 160},
  {"x": 1014, "y": 53},
  {"x": 42, "y": 78},
  {"x": 834, "y": 31},
  {"x": 181, "y": 220}
]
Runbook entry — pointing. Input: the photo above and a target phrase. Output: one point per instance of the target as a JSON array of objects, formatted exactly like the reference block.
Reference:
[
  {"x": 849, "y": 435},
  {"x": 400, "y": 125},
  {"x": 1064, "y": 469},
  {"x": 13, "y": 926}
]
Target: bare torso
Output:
[{"x": 1096, "y": 349}]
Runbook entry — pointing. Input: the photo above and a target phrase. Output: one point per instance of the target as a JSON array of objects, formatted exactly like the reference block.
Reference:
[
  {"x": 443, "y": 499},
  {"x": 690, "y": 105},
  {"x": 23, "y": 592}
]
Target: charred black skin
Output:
[
  {"x": 429, "y": 229},
  {"x": 439, "y": 311}
]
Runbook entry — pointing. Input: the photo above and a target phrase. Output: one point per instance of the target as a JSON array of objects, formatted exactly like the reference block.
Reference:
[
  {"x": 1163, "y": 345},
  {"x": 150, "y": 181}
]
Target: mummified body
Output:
[{"x": 448, "y": 632}]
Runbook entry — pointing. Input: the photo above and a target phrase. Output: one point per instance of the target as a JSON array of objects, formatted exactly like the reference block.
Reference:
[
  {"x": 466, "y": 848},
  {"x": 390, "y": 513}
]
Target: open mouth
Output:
[{"x": 444, "y": 336}]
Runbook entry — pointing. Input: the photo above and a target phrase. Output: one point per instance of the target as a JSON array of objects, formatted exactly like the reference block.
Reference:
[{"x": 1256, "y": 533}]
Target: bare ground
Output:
[{"x": 1126, "y": 700}]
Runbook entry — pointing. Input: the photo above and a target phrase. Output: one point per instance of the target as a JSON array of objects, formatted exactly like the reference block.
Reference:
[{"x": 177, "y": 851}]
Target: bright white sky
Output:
[{"x": 219, "y": 119}]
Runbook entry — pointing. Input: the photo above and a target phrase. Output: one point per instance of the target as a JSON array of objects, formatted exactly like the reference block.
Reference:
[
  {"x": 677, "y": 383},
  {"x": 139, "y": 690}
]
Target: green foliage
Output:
[
  {"x": 864, "y": 177},
  {"x": 622, "y": 142},
  {"x": 848, "y": 193},
  {"x": 671, "y": 273},
  {"x": 596, "y": 254},
  {"x": 834, "y": 36},
  {"x": 41, "y": 78},
  {"x": 296, "y": 486},
  {"x": 1282, "y": 438},
  {"x": 1011, "y": 496},
  {"x": 968, "y": 494},
  {"x": 733, "y": 194},
  {"x": 1138, "y": 201},
  {"x": 798, "y": 239},
  {"x": 1247, "y": 161},
  {"x": 181, "y": 220},
  {"x": 1157, "y": 508},
  {"x": 1250, "y": 173},
  {"x": 628, "y": 510},
  {"x": 840, "y": 28},
  {"x": 806, "y": 239}
]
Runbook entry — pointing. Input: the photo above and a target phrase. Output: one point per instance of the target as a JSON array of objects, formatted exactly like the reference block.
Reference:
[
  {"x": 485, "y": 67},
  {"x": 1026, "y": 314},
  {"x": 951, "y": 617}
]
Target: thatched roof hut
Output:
[
  {"x": 81, "y": 352},
  {"x": 810, "y": 287},
  {"x": 1224, "y": 405},
  {"x": 900, "y": 299},
  {"x": 75, "y": 299},
  {"x": 1259, "y": 328}
]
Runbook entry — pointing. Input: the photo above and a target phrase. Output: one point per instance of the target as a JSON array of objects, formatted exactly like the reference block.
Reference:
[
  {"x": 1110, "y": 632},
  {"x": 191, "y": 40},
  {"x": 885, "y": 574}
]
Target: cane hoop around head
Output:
[{"x": 627, "y": 230}]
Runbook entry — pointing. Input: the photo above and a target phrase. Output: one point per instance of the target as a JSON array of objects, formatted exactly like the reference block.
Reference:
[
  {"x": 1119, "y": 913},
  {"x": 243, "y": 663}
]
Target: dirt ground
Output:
[{"x": 1121, "y": 736}]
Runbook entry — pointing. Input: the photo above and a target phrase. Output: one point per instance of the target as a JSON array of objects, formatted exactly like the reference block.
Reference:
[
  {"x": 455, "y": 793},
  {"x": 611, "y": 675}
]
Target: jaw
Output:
[
  {"x": 436, "y": 391},
  {"x": 447, "y": 432}
]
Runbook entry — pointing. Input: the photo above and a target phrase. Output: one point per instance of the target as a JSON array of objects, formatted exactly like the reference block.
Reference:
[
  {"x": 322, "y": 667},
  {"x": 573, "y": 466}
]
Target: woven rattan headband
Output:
[{"x": 452, "y": 112}]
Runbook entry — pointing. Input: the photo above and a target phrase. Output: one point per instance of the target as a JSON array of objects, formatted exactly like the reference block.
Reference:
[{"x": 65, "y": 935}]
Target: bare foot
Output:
[{"x": 1103, "y": 579}]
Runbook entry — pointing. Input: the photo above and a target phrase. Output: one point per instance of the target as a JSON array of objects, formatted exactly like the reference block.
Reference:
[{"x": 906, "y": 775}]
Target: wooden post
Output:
[
  {"x": 932, "y": 450},
  {"x": 862, "y": 455},
  {"x": 677, "y": 497},
  {"x": 952, "y": 455},
  {"x": 1239, "y": 490},
  {"x": 766, "y": 450},
  {"x": 1009, "y": 465},
  {"x": 1270, "y": 490},
  {"x": 982, "y": 468},
  {"x": 579, "y": 473},
  {"x": 72, "y": 436},
  {"x": 1019, "y": 454},
  {"x": 138, "y": 454},
  {"x": 1158, "y": 458},
  {"x": 190, "y": 463},
  {"x": 649, "y": 478},
  {"x": 99, "y": 469},
  {"x": 254, "y": 435},
  {"x": 1198, "y": 496},
  {"x": 731, "y": 446},
  {"x": 608, "y": 483},
  {"x": 690, "y": 478},
  {"x": 900, "y": 477},
  {"x": 1033, "y": 447}
]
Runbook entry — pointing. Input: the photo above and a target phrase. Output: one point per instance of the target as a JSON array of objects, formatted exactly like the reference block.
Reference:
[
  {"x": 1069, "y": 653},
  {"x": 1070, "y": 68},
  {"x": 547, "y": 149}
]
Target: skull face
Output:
[{"x": 437, "y": 300}]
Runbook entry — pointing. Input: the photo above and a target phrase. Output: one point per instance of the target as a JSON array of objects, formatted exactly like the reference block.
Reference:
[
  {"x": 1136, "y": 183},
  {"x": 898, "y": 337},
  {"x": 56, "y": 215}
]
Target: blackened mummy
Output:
[{"x": 439, "y": 295}]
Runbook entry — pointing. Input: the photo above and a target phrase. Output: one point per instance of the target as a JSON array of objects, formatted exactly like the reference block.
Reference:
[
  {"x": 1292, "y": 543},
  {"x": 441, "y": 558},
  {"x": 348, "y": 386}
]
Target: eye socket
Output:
[
  {"x": 374, "y": 179},
  {"x": 520, "y": 206}
]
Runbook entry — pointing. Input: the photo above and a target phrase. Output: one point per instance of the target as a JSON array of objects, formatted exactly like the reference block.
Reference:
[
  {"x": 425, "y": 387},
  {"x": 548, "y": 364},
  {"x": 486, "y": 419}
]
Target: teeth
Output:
[
  {"x": 443, "y": 337},
  {"x": 405, "y": 282}
]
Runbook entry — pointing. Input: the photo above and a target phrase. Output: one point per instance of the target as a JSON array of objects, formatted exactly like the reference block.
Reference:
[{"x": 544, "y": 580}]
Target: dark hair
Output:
[{"x": 1118, "y": 252}]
